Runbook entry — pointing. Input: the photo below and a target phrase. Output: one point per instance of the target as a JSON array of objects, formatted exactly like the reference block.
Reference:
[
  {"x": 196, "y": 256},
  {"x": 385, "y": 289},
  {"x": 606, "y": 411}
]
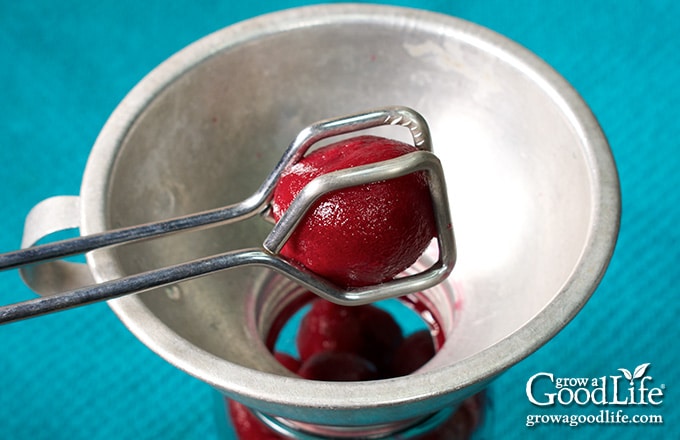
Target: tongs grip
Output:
[{"x": 267, "y": 256}]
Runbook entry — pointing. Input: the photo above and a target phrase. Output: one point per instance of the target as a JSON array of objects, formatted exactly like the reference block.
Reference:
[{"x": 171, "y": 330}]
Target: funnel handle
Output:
[{"x": 55, "y": 214}]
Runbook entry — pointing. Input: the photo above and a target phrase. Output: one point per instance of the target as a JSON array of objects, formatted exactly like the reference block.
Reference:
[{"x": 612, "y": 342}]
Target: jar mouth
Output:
[
  {"x": 275, "y": 299},
  {"x": 406, "y": 429}
]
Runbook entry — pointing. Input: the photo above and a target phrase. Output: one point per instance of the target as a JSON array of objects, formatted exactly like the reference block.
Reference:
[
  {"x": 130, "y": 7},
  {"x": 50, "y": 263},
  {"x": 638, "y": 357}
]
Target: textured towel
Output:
[{"x": 81, "y": 375}]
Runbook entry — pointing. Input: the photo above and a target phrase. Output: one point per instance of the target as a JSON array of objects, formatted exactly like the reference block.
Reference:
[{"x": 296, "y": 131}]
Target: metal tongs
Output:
[{"x": 268, "y": 255}]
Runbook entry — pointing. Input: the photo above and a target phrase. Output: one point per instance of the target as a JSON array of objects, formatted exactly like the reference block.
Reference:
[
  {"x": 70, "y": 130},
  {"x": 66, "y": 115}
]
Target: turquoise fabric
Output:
[{"x": 80, "y": 375}]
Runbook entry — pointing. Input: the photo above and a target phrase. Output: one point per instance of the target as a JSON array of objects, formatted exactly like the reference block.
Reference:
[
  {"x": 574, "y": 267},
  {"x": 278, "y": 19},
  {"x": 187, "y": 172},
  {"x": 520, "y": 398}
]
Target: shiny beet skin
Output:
[{"x": 361, "y": 235}]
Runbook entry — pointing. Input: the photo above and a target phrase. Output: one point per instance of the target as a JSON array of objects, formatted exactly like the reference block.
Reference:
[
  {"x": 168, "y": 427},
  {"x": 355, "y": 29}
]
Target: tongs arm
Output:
[
  {"x": 249, "y": 207},
  {"x": 267, "y": 256}
]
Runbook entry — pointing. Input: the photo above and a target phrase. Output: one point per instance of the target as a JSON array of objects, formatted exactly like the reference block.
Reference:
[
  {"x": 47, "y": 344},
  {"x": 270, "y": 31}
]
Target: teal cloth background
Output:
[{"x": 65, "y": 65}]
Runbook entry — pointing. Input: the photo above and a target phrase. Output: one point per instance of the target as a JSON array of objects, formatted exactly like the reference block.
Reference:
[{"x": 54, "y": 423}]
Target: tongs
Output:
[{"x": 268, "y": 255}]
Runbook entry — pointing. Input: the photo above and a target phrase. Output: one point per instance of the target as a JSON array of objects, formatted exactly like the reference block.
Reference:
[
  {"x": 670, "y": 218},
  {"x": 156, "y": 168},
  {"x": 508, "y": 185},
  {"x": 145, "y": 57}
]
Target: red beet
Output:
[
  {"x": 329, "y": 327},
  {"x": 362, "y": 235},
  {"x": 337, "y": 366},
  {"x": 381, "y": 335},
  {"x": 413, "y": 353},
  {"x": 287, "y": 361}
]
